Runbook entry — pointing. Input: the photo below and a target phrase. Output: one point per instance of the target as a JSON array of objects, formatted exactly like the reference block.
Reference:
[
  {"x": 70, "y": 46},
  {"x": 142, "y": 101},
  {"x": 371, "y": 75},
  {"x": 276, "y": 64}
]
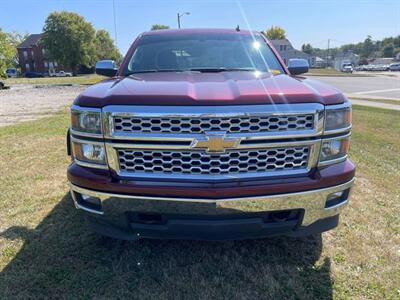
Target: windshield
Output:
[{"x": 202, "y": 52}]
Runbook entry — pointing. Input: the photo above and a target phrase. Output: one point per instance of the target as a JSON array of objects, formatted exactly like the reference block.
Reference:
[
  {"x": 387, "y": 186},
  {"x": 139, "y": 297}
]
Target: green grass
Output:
[
  {"x": 47, "y": 252},
  {"x": 332, "y": 72},
  {"x": 379, "y": 100},
  {"x": 82, "y": 79}
]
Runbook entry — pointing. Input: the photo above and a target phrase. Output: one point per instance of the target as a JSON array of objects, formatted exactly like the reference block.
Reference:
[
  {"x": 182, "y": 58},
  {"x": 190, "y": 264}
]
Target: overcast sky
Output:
[{"x": 304, "y": 21}]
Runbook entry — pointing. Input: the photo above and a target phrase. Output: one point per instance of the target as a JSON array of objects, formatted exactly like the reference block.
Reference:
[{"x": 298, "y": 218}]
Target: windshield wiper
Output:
[
  {"x": 216, "y": 70},
  {"x": 153, "y": 71}
]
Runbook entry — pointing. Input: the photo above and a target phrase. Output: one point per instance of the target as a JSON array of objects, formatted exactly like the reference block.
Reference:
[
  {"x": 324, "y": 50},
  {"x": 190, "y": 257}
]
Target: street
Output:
[{"x": 370, "y": 87}]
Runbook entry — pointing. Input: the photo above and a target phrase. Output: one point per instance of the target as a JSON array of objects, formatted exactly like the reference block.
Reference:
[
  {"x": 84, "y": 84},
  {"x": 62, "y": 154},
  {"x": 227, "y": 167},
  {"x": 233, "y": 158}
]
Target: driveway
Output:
[{"x": 29, "y": 102}]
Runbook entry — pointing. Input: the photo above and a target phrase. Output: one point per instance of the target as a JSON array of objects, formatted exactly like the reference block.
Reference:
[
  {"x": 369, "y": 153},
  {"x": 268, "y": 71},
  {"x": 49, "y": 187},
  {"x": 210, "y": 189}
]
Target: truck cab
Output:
[{"x": 206, "y": 134}]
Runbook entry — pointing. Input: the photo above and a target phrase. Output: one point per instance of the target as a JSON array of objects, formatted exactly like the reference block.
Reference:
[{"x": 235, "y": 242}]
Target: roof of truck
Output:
[{"x": 198, "y": 30}]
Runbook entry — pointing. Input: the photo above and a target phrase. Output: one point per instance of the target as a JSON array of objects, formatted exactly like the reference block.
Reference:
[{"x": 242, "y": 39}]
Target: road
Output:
[{"x": 370, "y": 87}]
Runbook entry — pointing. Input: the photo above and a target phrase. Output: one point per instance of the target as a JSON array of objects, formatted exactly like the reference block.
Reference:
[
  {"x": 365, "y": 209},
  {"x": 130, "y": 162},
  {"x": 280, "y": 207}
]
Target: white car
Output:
[
  {"x": 63, "y": 74},
  {"x": 347, "y": 69},
  {"x": 60, "y": 74},
  {"x": 394, "y": 67}
]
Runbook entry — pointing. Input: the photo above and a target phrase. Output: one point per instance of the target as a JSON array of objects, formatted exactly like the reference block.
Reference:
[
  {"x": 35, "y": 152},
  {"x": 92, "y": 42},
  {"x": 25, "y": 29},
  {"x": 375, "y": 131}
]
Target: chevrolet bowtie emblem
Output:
[{"x": 216, "y": 142}]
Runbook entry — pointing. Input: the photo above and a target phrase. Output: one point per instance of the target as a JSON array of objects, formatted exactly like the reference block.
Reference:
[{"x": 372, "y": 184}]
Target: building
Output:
[
  {"x": 32, "y": 56},
  {"x": 287, "y": 51},
  {"x": 345, "y": 57}
]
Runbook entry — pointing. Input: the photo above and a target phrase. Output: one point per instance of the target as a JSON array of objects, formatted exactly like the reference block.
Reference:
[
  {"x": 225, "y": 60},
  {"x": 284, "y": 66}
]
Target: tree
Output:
[
  {"x": 7, "y": 52},
  {"x": 159, "y": 26},
  {"x": 15, "y": 39},
  {"x": 105, "y": 48},
  {"x": 388, "y": 50},
  {"x": 368, "y": 47},
  {"x": 307, "y": 48},
  {"x": 69, "y": 39},
  {"x": 275, "y": 33}
]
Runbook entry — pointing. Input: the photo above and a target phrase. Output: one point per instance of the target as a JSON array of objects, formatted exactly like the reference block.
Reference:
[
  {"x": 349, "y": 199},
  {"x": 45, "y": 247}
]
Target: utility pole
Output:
[
  {"x": 180, "y": 16},
  {"x": 115, "y": 25},
  {"x": 327, "y": 54}
]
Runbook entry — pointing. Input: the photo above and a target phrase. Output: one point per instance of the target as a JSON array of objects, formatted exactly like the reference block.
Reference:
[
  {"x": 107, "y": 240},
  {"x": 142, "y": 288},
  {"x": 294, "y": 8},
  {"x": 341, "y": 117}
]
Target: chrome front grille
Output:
[
  {"x": 200, "y": 163},
  {"x": 212, "y": 142},
  {"x": 199, "y": 125}
]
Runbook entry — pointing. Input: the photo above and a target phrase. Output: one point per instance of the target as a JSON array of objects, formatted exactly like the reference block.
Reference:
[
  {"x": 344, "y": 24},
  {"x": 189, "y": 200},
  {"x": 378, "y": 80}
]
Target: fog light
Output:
[
  {"x": 334, "y": 196},
  {"x": 90, "y": 202},
  {"x": 337, "y": 198}
]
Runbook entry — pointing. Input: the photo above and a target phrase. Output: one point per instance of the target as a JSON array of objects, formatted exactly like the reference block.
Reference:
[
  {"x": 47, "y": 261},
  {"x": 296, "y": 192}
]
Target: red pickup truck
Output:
[{"x": 206, "y": 134}]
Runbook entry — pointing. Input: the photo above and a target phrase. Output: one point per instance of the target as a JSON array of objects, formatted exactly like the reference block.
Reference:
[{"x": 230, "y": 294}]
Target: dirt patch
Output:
[{"x": 23, "y": 103}]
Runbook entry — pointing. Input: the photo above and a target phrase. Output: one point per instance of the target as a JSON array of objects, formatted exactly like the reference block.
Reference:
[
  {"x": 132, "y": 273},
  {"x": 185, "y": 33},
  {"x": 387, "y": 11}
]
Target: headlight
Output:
[
  {"x": 334, "y": 149},
  {"x": 336, "y": 119},
  {"x": 89, "y": 152},
  {"x": 88, "y": 121}
]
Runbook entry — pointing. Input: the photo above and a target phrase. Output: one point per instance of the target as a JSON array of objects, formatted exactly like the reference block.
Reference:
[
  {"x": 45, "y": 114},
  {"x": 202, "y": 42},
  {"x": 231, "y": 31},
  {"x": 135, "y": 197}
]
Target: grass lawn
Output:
[
  {"x": 81, "y": 79},
  {"x": 46, "y": 251},
  {"x": 332, "y": 72},
  {"x": 379, "y": 100}
]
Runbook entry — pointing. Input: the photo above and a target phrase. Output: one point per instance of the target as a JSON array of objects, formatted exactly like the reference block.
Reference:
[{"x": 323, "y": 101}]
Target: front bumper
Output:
[{"x": 129, "y": 216}]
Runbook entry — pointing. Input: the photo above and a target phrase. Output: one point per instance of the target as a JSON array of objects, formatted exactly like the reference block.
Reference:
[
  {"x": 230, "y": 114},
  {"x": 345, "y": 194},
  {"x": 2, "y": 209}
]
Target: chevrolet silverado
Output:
[{"x": 207, "y": 134}]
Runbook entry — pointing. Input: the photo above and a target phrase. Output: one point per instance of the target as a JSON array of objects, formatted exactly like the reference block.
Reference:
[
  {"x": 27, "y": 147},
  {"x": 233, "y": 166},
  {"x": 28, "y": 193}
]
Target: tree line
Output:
[{"x": 368, "y": 49}]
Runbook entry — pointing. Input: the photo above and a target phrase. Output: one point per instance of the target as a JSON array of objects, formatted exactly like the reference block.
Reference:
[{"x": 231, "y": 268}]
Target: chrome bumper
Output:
[{"x": 114, "y": 206}]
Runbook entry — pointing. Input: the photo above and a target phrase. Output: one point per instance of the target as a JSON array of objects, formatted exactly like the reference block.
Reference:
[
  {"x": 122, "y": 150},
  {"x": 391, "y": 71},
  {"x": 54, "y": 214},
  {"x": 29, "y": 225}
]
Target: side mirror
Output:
[
  {"x": 106, "y": 68},
  {"x": 298, "y": 66}
]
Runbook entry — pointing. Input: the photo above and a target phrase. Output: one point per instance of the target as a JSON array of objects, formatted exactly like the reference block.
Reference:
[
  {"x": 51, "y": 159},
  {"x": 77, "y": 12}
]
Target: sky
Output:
[{"x": 309, "y": 21}]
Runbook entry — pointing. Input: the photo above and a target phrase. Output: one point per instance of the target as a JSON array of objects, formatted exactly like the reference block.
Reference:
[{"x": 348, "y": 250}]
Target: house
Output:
[
  {"x": 32, "y": 56},
  {"x": 345, "y": 57},
  {"x": 287, "y": 51}
]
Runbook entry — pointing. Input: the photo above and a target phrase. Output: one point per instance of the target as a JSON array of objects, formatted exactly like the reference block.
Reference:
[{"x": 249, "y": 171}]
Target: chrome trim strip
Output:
[
  {"x": 188, "y": 147},
  {"x": 333, "y": 161},
  {"x": 86, "y": 134},
  {"x": 80, "y": 141},
  {"x": 190, "y": 136},
  {"x": 183, "y": 177},
  {"x": 340, "y": 130},
  {"x": 338, "y": 205},
  {"x": 90, "y": 165},
  {"x": 103, "y": 195},
  {"x": 114, "y": 206}
]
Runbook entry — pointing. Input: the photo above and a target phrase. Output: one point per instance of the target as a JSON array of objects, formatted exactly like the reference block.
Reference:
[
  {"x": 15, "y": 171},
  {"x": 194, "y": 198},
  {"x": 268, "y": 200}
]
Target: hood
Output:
[{"x": 224, "y": 88}]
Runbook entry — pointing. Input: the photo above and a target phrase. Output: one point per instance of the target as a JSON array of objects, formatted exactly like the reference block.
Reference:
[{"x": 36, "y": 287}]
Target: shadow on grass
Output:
[{"x": 61, "y": 259}]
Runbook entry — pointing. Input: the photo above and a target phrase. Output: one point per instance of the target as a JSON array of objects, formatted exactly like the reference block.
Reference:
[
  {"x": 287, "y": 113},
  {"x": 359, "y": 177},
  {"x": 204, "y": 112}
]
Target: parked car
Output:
[
  {"x": 206, "y": 134},
  {"x": 11, "y": 72},
  {"x": 60, "y": 74},
  {"x": 33, "y": 74},
  {"x": 347, "y": 69},
  {"x": 394, "y": 67}
]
